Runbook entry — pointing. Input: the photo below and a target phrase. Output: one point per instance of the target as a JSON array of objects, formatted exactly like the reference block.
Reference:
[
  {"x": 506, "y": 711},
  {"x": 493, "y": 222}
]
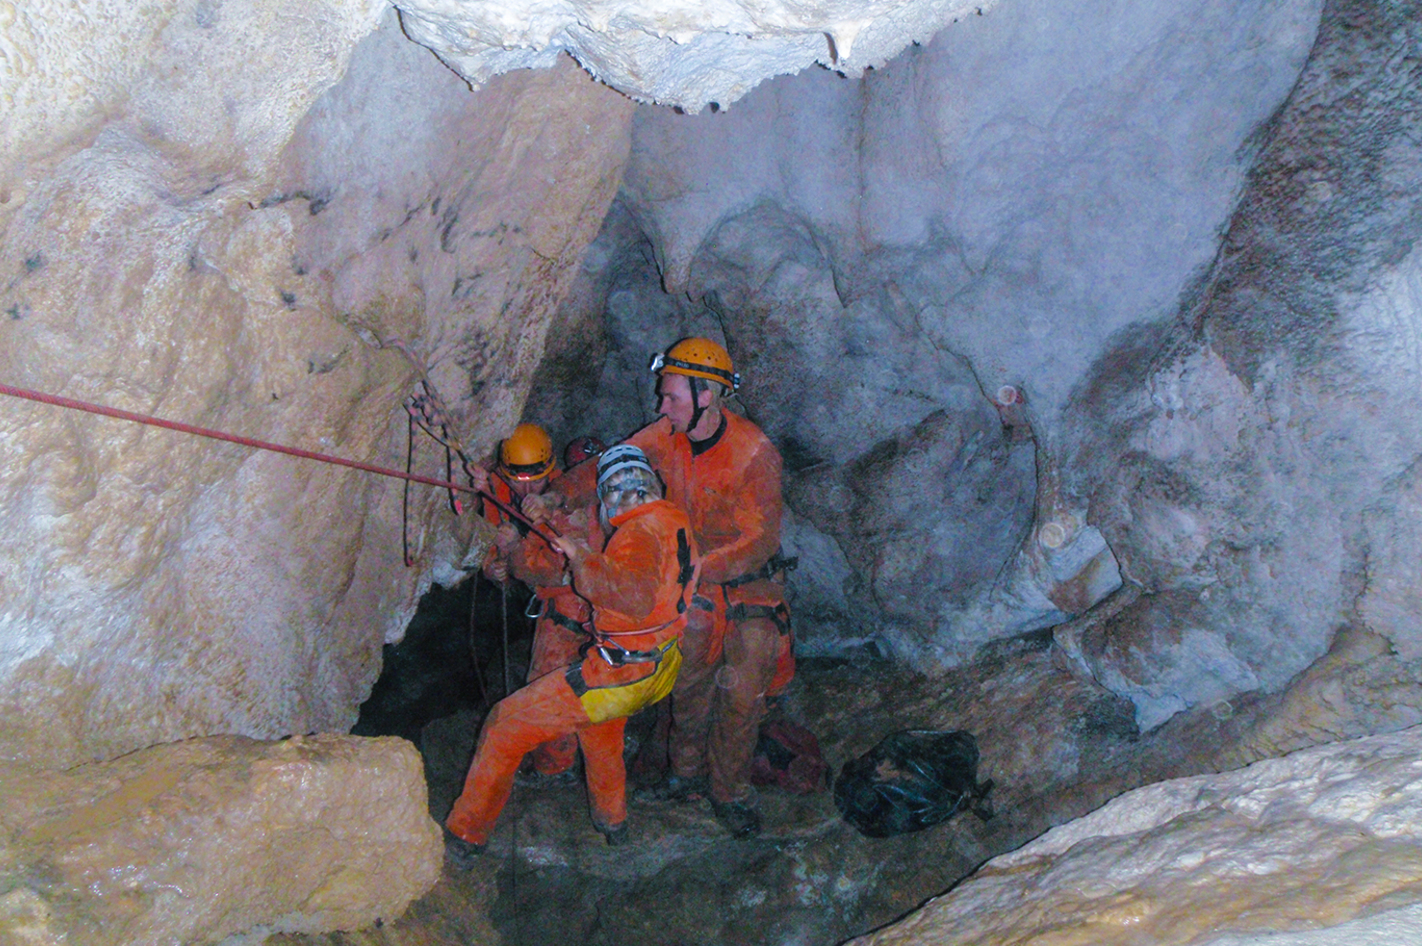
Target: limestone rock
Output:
[
  {"x": 1256, "y": 475},
  {"x": 680, "y": 53},
  {"x": 1312, "y": 839},
  {"x": 192, "y": 842},
  {"x": 215, "y": 86},
  {"x": 884, "y": 255},
  {"x": 238, "y": 264}
]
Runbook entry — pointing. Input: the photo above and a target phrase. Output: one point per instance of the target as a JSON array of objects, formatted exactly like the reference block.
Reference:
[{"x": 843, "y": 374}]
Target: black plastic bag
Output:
[{"x": 911, "y": 780}]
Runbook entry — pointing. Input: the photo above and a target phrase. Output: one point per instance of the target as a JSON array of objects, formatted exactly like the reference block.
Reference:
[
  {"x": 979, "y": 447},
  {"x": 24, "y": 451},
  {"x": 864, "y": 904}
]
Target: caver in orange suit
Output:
[
  {"x": 525, "y": 457},
  {"x": 737, "y": 644},
  {"x": 639, "y": 587},
  {"x": 562, "y": 614},
  {"x": 501, "y": 490}
]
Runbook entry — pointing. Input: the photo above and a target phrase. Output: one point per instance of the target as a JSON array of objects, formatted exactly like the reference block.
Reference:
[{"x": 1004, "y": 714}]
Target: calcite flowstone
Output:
[
  {"x": 1313, "y": 839},
  {"x": 198, "y": 840}
]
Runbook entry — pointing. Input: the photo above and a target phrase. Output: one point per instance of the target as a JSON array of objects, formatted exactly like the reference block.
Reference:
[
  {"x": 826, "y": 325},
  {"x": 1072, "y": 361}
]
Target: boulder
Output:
[
  {"x": 195, "y": 841},
  {"x": 1317, "y": 838}
]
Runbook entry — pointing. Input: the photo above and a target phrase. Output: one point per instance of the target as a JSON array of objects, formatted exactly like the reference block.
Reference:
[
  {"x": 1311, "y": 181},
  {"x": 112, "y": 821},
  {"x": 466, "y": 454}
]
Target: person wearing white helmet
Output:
[
  {"x": 640, "y": 587},
  {"x": 725, "y": 472}
]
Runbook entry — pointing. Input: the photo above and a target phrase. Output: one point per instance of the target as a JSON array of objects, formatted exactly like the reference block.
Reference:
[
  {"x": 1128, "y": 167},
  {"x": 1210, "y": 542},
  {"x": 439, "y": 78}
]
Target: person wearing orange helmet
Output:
[
  {"x": 725, "y": 473},
  {"x": 525, "y": 467}
]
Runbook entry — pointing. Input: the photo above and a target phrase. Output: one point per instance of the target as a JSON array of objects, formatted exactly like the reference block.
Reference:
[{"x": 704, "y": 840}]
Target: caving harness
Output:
[
  {"x": 716, "y": 601},
  {"x": 605, "y": 644},
  {"x": 775, "y": 569},
  {"x": 623, "y": 698}
]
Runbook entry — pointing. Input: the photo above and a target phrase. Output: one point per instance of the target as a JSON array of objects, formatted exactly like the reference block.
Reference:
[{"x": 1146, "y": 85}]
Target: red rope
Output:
[{"x": 70, "y": 403}]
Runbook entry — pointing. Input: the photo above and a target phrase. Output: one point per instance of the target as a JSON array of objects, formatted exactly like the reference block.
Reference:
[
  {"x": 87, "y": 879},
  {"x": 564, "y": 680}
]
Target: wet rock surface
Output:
[
  {"x": 809, "y": 877},
  {"x": 1055, "y": 748},
  {"x": 200, "y": 840}
]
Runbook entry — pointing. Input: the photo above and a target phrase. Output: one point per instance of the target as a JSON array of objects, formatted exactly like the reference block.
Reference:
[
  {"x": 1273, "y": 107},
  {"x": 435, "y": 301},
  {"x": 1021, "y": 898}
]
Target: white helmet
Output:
[
  {"x": 624, "y": 456},
  {"x": 625, "y": 466}
]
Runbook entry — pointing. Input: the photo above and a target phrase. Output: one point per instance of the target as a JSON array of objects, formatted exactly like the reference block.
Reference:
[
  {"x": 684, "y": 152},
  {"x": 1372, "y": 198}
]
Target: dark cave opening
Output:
[{"x": 451, "y": 659}]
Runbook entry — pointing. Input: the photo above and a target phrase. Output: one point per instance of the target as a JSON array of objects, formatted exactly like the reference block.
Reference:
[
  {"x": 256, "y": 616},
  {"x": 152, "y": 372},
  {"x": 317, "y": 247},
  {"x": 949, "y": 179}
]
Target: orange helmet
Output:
[
  {"x": 698, "y": 358},
  {"x": 527, "y": 453}
]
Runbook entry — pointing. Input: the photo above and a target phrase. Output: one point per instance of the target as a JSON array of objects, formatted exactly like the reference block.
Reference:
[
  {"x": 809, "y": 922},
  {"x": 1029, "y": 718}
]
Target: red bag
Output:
[{"x": 787, "y": 756}]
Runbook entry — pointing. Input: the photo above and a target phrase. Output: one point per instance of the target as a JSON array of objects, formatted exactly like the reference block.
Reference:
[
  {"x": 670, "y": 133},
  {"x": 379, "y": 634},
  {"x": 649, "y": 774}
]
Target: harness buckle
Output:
[{"x": 614, "y": 658}]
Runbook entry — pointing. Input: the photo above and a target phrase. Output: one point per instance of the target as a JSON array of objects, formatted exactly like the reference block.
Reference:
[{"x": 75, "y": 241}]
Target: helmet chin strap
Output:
[{"x": 697, "y": 385}]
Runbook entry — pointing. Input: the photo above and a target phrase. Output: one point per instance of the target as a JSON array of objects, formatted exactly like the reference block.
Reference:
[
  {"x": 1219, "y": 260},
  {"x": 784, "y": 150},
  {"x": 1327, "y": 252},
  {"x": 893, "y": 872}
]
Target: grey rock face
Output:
[
  {"x": 987, "y": 213},
  {"x": 1254, "y": 474}
]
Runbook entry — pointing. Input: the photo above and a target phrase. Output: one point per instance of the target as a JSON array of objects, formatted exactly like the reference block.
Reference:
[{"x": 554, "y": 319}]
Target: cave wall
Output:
[
  {"x": 1044, "y": 308},
  {"x": 916, "y": 270},
  {"x": 942, "y": 280},
  {"x": 225, "y": 215},
  {"x": 1254, "y": 462}
]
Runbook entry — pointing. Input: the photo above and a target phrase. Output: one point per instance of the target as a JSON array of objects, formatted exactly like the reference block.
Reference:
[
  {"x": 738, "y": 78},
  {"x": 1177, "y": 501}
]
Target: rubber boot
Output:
[{"x": 737, "y": 817}]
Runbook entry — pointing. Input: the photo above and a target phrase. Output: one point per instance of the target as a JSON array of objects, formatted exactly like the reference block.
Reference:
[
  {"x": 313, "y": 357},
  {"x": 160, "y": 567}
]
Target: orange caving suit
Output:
[
  {"x": 555, "y": 637},
  {"x": 559, "y": 632},
  {"x": 639, "y": 587},
  {"x": 738, "y": 641},
  {"x": 495, "y": 516}
]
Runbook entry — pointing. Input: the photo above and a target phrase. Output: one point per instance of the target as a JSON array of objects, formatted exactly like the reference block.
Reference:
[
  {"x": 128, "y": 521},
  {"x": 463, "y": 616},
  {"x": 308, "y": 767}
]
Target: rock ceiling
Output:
[{"x": 686, "y": 53}]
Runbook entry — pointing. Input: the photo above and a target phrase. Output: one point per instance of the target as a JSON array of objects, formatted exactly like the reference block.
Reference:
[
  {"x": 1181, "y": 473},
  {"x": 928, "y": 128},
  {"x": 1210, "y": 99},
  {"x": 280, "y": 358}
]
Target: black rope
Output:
[
  {"x": 513, "y": 800},
  {"x": 455, "y": 506},
  {"x": 504, "y": 615},
  {"x": 405, "y": 501},
  {"x": 473, "y": 640}
]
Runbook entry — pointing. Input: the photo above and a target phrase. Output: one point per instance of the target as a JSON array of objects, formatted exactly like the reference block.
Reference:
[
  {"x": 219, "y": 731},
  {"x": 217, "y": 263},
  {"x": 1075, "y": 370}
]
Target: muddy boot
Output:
[
  {"x": 461, "y": 854},
  {"x": 617, "y": 835},
  {"x": 737, "y": 817},
  {"x": 674, "y": 788}
]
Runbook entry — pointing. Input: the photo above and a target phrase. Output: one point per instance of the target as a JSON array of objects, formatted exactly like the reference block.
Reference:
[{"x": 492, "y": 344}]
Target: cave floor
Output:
[{"x": 1055, "y": 747}]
